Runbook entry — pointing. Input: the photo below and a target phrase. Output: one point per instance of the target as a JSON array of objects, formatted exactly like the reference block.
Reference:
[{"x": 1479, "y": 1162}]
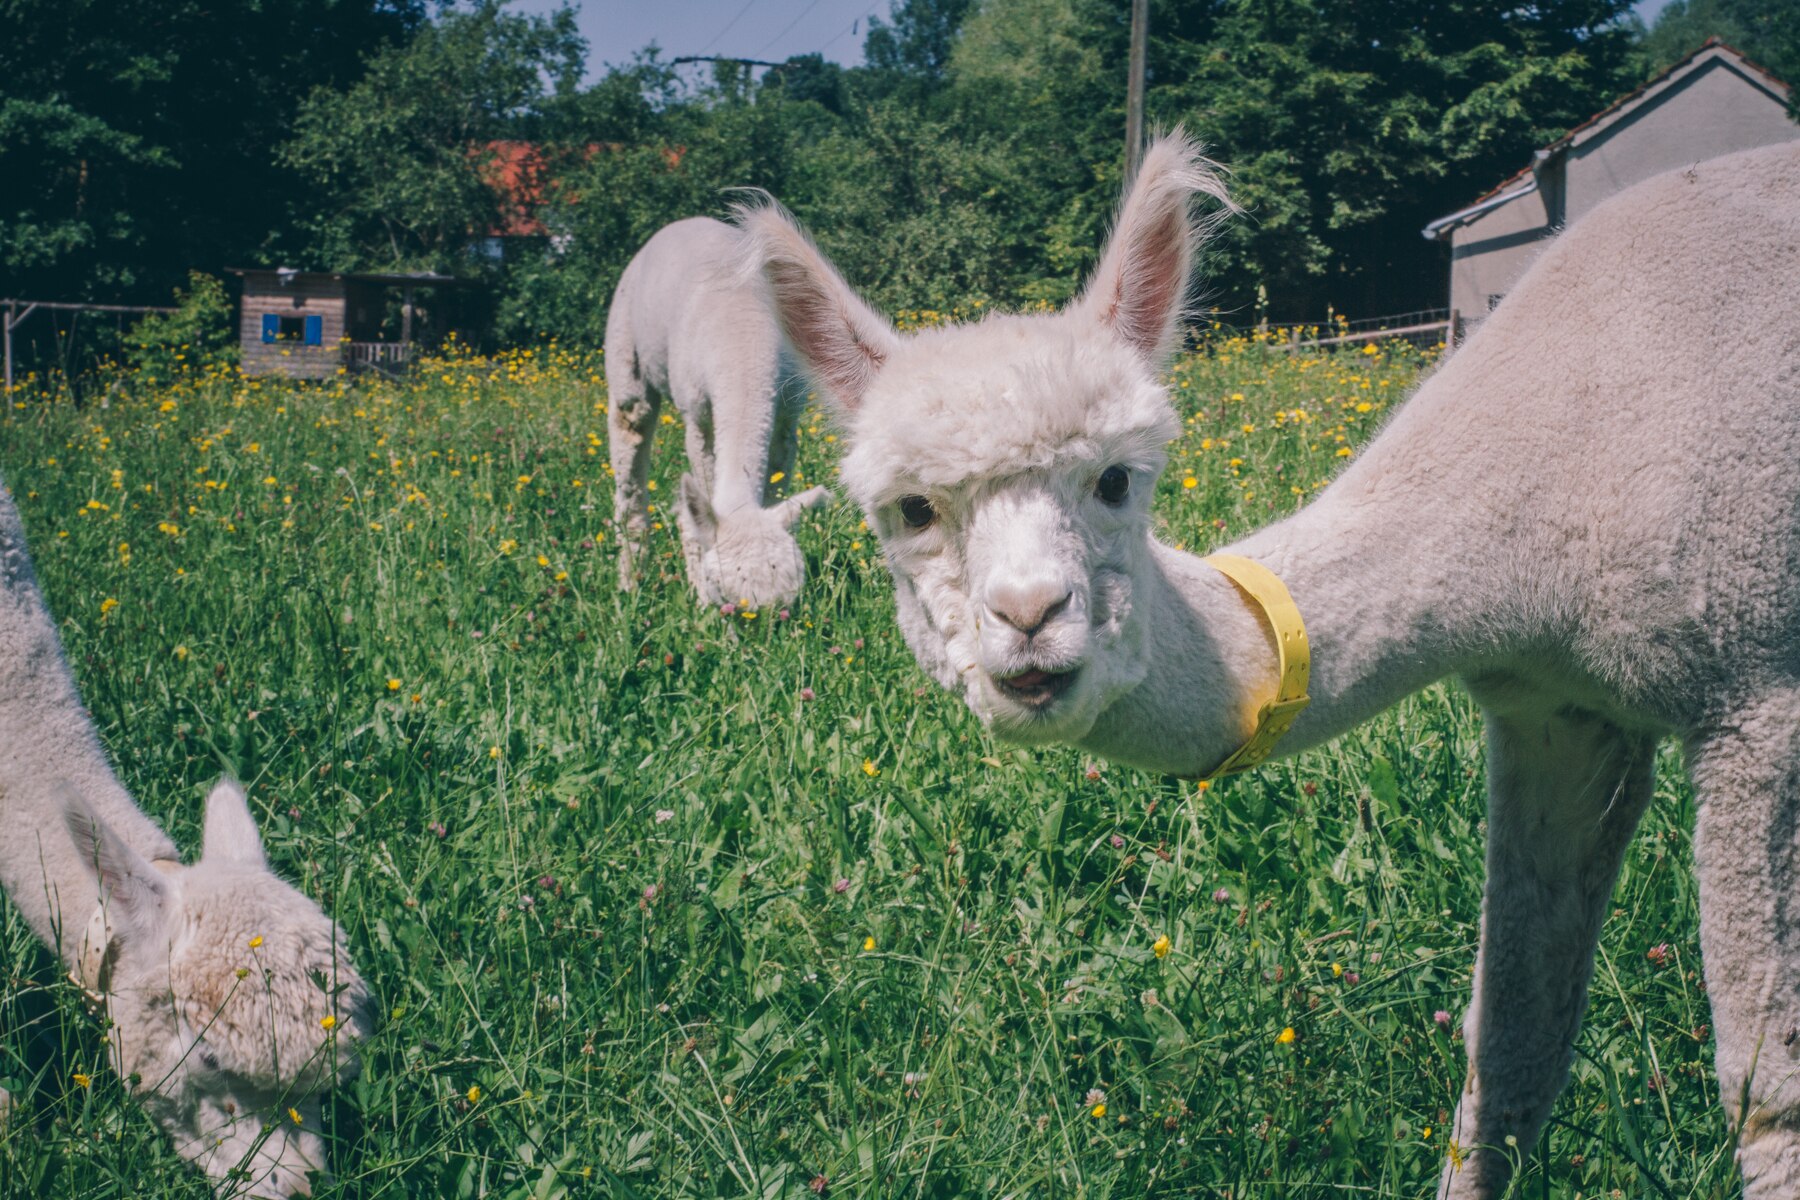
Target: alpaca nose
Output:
[{"x": 1027, "y": 603}]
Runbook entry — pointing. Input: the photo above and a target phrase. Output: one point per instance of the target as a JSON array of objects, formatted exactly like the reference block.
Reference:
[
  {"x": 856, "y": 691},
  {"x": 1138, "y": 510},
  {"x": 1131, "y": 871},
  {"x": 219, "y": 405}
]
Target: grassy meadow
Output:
[{"x": 660, "y": 902}]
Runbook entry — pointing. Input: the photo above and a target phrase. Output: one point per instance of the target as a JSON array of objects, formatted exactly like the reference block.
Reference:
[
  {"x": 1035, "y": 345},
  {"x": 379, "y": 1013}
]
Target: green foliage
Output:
[
  {"x": 603, "y": 859},
  {"x": 198, "y": 335},
  {"x": 404, "y": 153},
  {"x": 136, "y": 139},
  {"x": 1768, "y": 31}
]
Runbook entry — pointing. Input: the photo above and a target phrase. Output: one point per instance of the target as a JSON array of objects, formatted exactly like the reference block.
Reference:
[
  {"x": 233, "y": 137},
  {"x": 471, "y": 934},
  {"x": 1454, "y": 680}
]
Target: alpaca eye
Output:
[
  {"x": 1114, "y": 485},
  {"x": 916, "y": 511}
]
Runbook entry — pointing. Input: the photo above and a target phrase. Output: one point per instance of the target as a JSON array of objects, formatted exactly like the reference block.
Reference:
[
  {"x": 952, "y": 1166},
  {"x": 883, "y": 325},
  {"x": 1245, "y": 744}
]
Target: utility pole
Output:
[{"x": 1134, "y": 90}]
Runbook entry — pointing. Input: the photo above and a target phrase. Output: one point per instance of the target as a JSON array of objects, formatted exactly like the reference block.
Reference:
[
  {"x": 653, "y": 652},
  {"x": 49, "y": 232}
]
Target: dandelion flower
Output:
[
  {"x": 107, "y": 605},
  {"x": 1098, "y": 1111},
  {"x": 474, "y": 1093},
  {"x": 1161, "y": 946},
  {"x": 870, "y": 769},
  {"x": 1190, "y": 482},
  {"x": 256, "y": 941},
  {"x": 1285, "y": 1037},
  {"x": 328, "y": 1022},
  {"x": 869, "y": 945},
  {"x": 393, "y": 685}
]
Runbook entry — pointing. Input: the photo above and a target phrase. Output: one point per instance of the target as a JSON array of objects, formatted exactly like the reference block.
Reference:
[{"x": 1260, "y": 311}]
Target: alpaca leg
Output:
[
  {"x": 1565, "y": 791},
  {"x": 784, "y": 438},
  {"x": 1747, "y": 858},
  {"x": 631, "y": 414}
]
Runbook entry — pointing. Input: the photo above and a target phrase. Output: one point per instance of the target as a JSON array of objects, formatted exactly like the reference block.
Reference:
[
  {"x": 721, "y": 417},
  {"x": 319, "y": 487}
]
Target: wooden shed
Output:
[
  {"x": 1715, "y": 101},
  {"x": 309, "y": 324}
]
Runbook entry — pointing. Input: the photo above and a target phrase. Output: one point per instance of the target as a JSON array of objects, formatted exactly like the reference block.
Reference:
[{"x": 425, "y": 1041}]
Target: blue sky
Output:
[{"x": 768, "y": 29}]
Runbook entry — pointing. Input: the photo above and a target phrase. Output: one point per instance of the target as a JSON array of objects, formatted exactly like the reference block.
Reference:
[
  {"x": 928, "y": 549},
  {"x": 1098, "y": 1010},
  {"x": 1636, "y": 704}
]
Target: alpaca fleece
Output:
[
  {"x": 684, "y": 326},
  {"x": 219, "y": 1037},
  {"x": 1590, "y": 512}
]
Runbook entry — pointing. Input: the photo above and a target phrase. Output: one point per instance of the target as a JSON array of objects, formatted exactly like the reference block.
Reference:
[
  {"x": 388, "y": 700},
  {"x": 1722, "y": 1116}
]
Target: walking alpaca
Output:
[
  {"x": 1589, "y": 513},
  {"x": 683, "y": 325},
  {"x": 231, "y": 998}
]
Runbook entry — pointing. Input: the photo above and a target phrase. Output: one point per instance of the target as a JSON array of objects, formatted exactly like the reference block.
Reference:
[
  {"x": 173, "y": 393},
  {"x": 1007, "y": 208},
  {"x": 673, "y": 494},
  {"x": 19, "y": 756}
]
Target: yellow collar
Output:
[{"x": 1292, "y": 656}]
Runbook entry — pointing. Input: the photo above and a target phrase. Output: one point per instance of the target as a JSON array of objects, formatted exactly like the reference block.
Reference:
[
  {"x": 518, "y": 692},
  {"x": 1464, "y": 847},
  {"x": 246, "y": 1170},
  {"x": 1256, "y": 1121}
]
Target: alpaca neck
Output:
[
  {"x": 1377, "y": 614},
  {"x": 51, "y": 755}
]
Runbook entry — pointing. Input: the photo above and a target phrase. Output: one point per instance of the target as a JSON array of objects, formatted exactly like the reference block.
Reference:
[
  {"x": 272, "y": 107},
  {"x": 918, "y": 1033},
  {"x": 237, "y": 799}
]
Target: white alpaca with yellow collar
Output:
[{"x": 1591, "y": 513}]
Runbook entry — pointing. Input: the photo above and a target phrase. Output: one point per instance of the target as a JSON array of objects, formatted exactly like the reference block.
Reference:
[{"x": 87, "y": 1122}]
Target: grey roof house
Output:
[{"x": 1715, "y": 101}]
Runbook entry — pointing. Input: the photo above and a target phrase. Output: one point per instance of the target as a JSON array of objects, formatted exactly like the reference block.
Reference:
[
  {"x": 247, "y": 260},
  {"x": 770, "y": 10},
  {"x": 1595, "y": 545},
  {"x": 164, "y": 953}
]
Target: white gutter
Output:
[{"x": 1439, "y": 229}]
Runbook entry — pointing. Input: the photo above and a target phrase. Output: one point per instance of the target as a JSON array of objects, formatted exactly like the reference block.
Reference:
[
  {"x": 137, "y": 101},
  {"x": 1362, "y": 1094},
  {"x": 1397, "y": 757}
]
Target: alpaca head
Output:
[
  {"x": 1007, "y": 465},
  {"x": 745, "y": 557},
  {"x": 234, "y": 1005}
]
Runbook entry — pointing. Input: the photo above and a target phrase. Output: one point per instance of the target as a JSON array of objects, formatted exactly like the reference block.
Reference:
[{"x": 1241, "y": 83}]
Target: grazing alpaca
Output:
[
  {"x": 231, "y": 998},
  {"x": 683, "y": 325},
  {"x": 1591, "y": 513}
]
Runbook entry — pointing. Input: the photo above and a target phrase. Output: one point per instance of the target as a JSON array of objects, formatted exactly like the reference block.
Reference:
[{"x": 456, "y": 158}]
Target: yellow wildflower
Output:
[
  {"x": 83, "y": 1080},
  {"x": 393, "y": 685},
  {"x": 474, "y": 1092},
  {"x": 1161, "y": 946},
  {"x": 869, "y": 945},
  {"x": 1099, "y": 1110},
  {"x": 107, "y": 605},
  {"x": 256, "y": 941},
  {"x": 870, "y": 769},
  {"x": 1285, "y": 1037}
]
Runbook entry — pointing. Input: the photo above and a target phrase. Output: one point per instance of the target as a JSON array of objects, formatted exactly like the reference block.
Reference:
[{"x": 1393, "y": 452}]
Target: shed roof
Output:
[{"x": 1524, "y": 180}]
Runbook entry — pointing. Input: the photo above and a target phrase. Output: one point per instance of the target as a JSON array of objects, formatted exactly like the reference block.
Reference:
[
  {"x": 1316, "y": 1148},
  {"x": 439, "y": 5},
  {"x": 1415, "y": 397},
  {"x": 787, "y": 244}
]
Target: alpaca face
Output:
[
  {"x": 1007, "y": 466},
  {"x": 1010, "y": 494},
  {"x": 746, "y": 557},
  {"x": 232, "y": 997}
]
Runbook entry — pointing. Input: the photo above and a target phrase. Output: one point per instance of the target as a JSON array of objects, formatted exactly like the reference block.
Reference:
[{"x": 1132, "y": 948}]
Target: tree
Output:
[
  {"x": 135, "y": 138},
  {"x": 404, "y": 156},
  {"x": 1768, "y": 31}
]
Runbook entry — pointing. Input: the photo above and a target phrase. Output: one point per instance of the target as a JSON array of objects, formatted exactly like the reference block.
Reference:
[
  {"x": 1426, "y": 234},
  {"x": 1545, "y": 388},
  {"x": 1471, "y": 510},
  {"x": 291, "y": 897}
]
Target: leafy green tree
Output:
[
  {"x": 1766, "y": 30},
  {"x": 1346, "y": 126},
  {"x": 403, "y": 155},
  {"x": 919, "y": 39},
  {"x": 197, "y": 334},
  {"x": 135, "y": 138}
]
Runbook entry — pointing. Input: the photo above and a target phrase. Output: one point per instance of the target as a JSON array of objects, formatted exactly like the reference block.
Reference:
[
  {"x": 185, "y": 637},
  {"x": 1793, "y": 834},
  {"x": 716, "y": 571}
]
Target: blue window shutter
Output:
[
  {"x": 271, "y": 327},
  {"x": 315, "y": 331}
]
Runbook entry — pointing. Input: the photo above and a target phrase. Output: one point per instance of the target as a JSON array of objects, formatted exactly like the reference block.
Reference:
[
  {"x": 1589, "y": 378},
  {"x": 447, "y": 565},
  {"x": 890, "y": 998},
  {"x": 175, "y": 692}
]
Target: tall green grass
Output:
[{"x": 659, "y": 902}]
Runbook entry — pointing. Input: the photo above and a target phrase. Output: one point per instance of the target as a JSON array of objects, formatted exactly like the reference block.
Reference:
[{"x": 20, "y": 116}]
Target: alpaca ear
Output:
[
  {"x": 694, "y": 511},
  {"x": 231, "y": 835},
  {"x": 842, "y": 342},
  {"x": 793, "y": 506},
  {"x": 1139, "y": 290},
  {"x": 136, "y": 894}
]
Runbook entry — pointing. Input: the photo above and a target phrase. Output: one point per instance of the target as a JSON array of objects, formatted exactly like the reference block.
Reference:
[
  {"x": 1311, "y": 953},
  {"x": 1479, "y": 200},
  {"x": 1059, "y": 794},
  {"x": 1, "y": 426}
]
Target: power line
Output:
[
  {"x": 848, "y": 29},
  {"x": 729, "y": 25},
  {"x": 789, "y": 25}
]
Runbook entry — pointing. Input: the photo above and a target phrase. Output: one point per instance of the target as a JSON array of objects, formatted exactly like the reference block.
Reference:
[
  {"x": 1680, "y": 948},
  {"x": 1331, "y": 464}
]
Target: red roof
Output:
[{"x": 522, "y": 175}]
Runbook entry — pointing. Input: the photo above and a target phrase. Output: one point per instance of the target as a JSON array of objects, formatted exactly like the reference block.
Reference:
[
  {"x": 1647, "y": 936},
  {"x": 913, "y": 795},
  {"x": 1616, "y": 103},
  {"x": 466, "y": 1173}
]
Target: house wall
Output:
[
  {"x": 1719, "y": 107},
  {"x": 1488, "y": 255},
  {"x": 317, "y": 297}
]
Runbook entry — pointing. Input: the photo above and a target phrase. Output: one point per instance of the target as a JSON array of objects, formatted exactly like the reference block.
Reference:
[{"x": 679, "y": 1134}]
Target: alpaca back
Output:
[{"x": 1621, "y": 437}]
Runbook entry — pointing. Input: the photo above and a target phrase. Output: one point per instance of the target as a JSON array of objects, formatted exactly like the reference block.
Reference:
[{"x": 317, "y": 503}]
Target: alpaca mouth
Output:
[{"x": 1036, "y": 687}]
